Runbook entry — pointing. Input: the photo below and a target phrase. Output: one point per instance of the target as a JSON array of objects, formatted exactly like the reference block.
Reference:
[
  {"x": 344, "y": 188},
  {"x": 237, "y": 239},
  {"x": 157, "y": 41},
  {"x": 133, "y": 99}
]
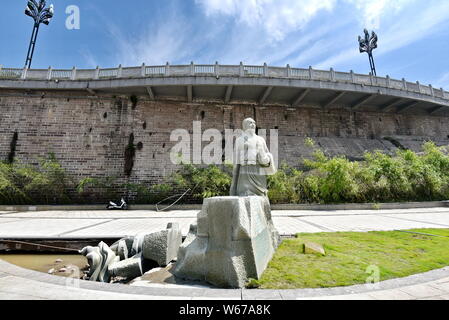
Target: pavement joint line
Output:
[
  {"x": 9, "y": 212},
  {"x": 23, "y": 296},
  {"x": 354, "y": 214},
  {"x": 315, "y": 225},
  {"x": 435, "y": 286},
  {"x": 292, "y": 215},
  {"x": 2, "y": 223},
  {"x": 85, "y": 227},
  {"x": 89, "y": 218},
  {"x": 413, "y": 220},
  {"x": 345, "y": 215}
]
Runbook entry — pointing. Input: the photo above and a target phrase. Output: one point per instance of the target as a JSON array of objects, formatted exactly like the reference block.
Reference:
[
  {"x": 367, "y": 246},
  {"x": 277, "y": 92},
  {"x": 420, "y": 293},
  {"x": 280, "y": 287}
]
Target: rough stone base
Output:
[
  {"x": 128, "y": 268},
  {"x": 233, "y": 241},
  {"x": 162, "y": 246}
]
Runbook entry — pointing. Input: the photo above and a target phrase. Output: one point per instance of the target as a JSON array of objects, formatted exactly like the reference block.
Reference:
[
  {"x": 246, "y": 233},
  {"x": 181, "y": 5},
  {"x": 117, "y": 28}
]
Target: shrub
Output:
[
  {"x": 337, "y": 182},
  {"x": 282, "y": 186},
  {"x": 46, "y": 183},
  {"x": 204, "y": 182},
  {"x": 98, "y": 189}
]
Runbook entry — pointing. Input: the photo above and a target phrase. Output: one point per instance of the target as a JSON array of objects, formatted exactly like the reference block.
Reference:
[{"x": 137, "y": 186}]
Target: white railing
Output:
[
  {"x": 61, "y": 74},
  {"x": 220, "y": 70},
  {"x": 108, "y": 73},
  {"x": 300, "y": 73},
  {"x": 204, "y": 69},
  {"x": 253, "y": 70},
  {"x": 10, "y": 73},
  {"x": 155, "y": 71}
]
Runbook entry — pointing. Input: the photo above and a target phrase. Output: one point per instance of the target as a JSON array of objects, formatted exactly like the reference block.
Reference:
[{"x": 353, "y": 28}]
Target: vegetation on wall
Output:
[
  {"x": 405, "y": 176},
  {"x": 45, "y": 183}
]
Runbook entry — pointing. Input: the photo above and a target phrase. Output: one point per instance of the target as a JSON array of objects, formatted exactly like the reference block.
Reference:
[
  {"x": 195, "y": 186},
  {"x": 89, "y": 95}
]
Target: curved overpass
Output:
[{"x": 261, "y": 85}]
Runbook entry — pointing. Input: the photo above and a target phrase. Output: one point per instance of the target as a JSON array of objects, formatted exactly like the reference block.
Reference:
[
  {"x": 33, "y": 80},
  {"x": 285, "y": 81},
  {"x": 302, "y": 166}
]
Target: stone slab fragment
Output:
[{"x": 313, "y": 248}]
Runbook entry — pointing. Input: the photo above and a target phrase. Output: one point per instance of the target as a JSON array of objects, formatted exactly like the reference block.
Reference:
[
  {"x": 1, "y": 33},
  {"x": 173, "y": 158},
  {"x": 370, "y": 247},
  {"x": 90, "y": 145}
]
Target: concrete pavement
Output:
[
  {"x": 115, "y": 224},
  {"x": 19, "y": 283}
]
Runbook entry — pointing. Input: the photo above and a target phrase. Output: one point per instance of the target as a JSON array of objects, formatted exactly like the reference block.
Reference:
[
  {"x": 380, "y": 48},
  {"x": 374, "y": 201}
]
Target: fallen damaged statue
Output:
[
  {"x": 234, "y": 238},
  {"x": 132, "y": 256}
]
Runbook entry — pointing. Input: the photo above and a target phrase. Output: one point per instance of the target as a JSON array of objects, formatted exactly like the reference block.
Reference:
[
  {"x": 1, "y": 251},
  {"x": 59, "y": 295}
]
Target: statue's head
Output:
[{"x": 249, "y": 123}]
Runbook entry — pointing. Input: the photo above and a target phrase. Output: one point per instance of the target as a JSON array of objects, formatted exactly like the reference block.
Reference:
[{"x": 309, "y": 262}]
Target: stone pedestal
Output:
[{"x": 233, "y": 241}]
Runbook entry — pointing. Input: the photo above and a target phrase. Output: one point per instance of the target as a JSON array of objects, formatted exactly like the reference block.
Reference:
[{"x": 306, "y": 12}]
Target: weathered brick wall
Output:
[{"x": 89, "y": 135}]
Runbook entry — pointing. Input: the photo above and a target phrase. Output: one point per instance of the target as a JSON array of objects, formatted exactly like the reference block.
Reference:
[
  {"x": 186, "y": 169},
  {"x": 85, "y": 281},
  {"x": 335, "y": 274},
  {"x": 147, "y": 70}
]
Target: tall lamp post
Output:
[
  {"x": 40, "y": 14},
  {"x": 368, "y": 44}
]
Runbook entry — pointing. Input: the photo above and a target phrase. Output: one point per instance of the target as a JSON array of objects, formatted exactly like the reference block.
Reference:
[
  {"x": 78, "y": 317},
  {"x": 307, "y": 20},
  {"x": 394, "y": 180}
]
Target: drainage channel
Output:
[{"x": 49, "y": 245}]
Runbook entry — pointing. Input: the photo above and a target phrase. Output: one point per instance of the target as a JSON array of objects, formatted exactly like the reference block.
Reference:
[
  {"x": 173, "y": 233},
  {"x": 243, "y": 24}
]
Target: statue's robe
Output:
[{"x": 252, "y": 163}]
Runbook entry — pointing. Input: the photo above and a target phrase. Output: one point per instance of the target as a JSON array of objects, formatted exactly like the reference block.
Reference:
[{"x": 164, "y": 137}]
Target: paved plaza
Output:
[
  {"x": 20, "y": 283},
  {"x": 103, "y": 223}
]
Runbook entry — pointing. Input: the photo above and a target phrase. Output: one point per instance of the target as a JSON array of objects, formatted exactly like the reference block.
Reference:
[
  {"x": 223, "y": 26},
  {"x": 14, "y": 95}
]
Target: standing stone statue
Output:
[
  {"x": 252, "y": 163},
  {"x": 234, "y": 238}
]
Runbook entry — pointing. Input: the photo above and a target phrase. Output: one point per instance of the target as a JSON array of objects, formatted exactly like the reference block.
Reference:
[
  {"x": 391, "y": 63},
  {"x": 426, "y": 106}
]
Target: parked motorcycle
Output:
[{"x": 122, "y": 206}]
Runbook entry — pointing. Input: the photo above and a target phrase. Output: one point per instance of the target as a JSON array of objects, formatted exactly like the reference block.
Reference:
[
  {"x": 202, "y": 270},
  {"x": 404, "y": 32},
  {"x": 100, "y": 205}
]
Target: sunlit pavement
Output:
[
  {"x": 18, "y": 283},
  {"x": 103, "y": 223}
]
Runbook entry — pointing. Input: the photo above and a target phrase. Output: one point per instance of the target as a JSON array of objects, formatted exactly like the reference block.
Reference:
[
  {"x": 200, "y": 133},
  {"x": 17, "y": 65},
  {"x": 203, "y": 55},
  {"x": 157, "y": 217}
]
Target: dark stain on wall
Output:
[
  {"x": 134, "y": 101},
  {"x": 130, "y": 153},
  {"x": 13, "y": 145}
]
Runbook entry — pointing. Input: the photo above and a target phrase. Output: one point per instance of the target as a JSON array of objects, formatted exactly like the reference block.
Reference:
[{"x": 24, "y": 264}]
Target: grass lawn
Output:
[{"x": 349, "y": 254}]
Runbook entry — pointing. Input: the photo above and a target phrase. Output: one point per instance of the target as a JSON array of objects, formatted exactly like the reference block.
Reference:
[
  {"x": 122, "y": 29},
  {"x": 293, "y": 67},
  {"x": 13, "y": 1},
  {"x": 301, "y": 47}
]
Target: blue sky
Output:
[{"x": 413, "y": 34}]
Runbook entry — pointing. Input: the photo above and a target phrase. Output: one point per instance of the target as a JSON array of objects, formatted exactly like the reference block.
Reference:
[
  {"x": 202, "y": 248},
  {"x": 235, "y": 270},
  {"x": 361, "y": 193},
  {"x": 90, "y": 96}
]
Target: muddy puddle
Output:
[{"x": 65, "y": 265}]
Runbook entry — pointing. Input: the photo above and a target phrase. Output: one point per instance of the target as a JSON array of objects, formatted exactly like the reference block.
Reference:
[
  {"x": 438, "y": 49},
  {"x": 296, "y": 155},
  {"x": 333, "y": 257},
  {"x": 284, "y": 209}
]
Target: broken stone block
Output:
[
  {"x": 313, "y": 248},
  {"x": 192, "y": 256},
  {"x": 128, "y": 268},
  {"x": 162, "y": 246},
  {"x": 234, "y": 241},
  {"x": 123, "y": 247},
  {"x": 137, "y": 244}
]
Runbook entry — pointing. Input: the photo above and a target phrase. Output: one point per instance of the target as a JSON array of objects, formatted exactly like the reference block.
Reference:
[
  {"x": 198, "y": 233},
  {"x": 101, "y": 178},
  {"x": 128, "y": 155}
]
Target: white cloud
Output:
[
  {"x": 442, "y": 81},
  {"x": 299, "y": 32},
  {"x": 397, "y": 35},
  {"x": 91, "y": 62},
  {"x": 277, "y": 17},
  {"x": 373, "y": 10},
  {"x": 280, "y": 17},
  {"x": 154, "y": 46}
]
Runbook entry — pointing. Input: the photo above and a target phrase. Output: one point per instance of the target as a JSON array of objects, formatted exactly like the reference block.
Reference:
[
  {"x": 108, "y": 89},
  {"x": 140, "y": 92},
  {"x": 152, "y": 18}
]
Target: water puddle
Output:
[
  {"x": 65, "y": 265},
  {"x": 75, "y": 266}
]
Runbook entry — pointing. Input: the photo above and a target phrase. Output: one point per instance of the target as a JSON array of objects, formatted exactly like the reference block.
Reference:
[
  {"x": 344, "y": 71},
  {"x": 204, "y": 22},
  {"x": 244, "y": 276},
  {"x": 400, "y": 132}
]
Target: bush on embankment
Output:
[
  {"x": 44, "y": 183},
  {"x": 406, "y": 176}
]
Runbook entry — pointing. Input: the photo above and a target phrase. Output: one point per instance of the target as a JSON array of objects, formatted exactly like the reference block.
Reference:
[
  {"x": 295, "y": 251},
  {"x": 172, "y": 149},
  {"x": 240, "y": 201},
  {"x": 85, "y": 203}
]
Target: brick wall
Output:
[{"x": 89, "y": 135}]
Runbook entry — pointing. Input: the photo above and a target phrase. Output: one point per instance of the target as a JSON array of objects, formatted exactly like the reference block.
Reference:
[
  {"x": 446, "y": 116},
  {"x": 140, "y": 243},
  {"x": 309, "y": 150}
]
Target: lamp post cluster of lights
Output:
[
  {"x": 368, "y": 44},
  {"x": 40, "y": 14}
]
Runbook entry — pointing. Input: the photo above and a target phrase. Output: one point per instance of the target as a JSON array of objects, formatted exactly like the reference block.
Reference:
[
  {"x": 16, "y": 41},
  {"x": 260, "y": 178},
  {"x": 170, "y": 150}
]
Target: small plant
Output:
[
  {"x": 252, "y": 284},
  {"x": 308, "y": 142}
]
